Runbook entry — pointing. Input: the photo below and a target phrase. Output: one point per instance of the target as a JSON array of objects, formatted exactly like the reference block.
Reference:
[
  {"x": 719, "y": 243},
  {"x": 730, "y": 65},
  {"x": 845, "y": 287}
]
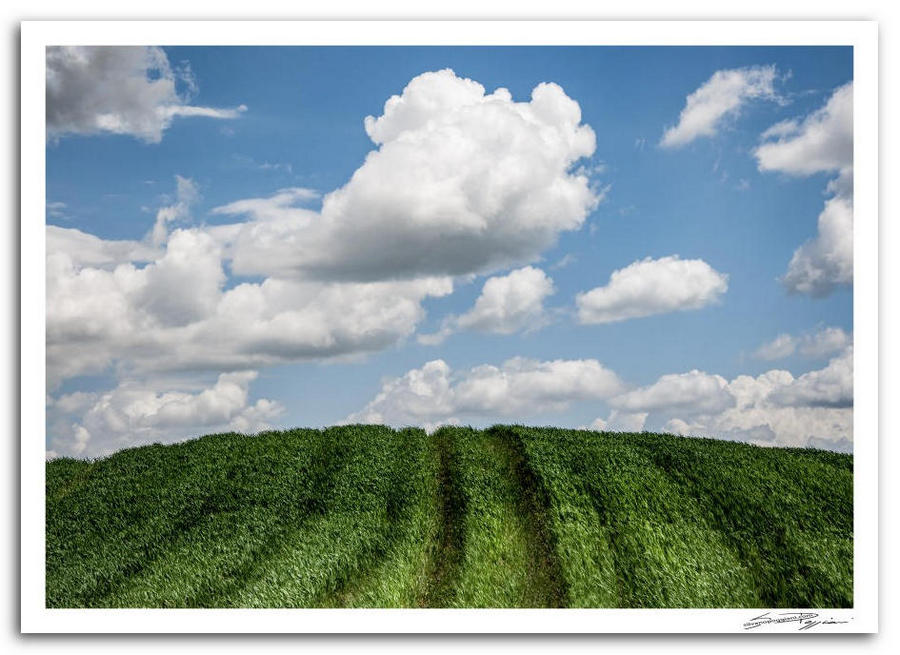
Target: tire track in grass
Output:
[
  {"x": 544, "y": 567},
  {"x": 449, "y": 504},
  {"x": 506, "y": 561}
]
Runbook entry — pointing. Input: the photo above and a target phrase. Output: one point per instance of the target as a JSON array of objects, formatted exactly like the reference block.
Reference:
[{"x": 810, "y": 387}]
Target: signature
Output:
[{"x": 806, "y": 620}]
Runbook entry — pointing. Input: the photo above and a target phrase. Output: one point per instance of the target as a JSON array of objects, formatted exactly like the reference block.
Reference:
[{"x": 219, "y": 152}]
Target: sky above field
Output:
[{"x": 615, "y": 238}]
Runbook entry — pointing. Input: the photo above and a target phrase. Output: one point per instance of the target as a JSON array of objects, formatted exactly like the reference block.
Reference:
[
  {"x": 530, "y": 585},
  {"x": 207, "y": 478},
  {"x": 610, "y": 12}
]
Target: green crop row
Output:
[{"x": 648, "y": 520}]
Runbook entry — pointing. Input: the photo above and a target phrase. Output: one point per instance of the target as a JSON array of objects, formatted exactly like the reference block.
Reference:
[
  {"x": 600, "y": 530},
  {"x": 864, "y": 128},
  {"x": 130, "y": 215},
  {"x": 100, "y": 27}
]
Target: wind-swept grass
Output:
[
  {"x": 648, "y": 520},
  {"x": 367, "y": 516}
]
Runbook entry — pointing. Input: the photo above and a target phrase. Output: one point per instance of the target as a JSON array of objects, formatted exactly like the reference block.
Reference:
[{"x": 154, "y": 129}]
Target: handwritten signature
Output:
[{"x": 806, "y": 620}]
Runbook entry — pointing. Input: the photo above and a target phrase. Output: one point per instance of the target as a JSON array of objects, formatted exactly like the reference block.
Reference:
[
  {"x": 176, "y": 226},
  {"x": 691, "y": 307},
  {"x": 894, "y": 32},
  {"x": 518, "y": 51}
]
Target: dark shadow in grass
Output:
[
  {"x": 448, "y": 555},
  {"x": 768, "y": 546},
  {"x": 253, "y": 566},
  {"x": 544, "y": 569}
]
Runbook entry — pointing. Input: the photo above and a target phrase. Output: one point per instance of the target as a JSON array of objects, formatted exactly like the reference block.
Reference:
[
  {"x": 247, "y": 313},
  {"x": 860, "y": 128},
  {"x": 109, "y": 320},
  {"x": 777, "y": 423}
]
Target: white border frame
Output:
[{"x": 862, "y": 35}]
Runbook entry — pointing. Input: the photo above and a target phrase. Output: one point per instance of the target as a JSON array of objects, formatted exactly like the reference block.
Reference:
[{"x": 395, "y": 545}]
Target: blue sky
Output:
[{"x": 730, "y": 195}]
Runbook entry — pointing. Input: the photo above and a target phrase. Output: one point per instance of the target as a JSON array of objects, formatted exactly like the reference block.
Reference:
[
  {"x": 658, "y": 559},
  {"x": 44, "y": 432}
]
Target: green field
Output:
[{"x": 366, "y": 516}]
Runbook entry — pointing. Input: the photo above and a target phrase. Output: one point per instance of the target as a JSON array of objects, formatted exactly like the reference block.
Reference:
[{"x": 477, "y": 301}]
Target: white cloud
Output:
[
  {"x": 720, "y": 97},
  {"x": 173, "y": 313},
  {"x": 831, "y": 386},
  {"x": 824, "y": 342},
  {"x": 461, "y": 182},
  {"x": 134, "y": 414},
  {"x": 510, "y": 303},
  {"x": 821, "y": 142},
  {"x": 821, "y": 343},
  {"x": 279, "y": 207},
  {"x": 186, "y": 195},
  {"x": 774, "y": 408},
  {"x": 652, "y": 286},
  {"x": 694, "y": 392},
  {"x": 520, "y": 387},
  {"x": 823, "y": 263},
  {"x": 784, "y": 345},
  {"x": 619, "y": 421},
  {"x": 87, "y": 250},
  {"x": 507, "y": 304},
  {"x": 119, "y": 90}
]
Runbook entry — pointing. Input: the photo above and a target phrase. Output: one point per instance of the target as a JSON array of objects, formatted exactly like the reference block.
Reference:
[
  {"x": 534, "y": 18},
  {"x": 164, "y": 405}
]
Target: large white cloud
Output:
[
  {"x": 720, "y": 97},
  {"x": 143, "y": 305},
  {"x": 117, "y": 89},
  {"x": 462, "y": 182},
  {"x": 822, "y": 142},
  {"x": 652, "y": 286},
  {"x": 434, "y": 394},
  {"x": 174, "y": 314},
  {"x": 507, "y": 304},
  {"x": 92, "y": 424}
]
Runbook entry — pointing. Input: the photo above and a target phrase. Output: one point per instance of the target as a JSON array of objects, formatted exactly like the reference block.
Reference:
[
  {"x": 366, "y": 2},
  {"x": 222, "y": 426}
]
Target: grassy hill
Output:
[{"x": 366, "y": 516}]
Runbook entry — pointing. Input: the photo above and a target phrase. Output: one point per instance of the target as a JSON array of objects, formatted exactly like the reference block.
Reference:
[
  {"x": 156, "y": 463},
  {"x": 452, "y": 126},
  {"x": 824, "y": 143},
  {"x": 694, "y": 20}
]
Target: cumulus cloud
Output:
[
  {"x": 721, "y": 97},
  {"x": 821, "y": 343},
  {"x": 822, "y": 142},
  {"x": 824, "y": 342},
  {"x": 694, "y": 392},
  {"x": 831, "y": 386},
  {"x": 462, "y": 181},
  {"x": 434, "y": 394},
  {"x": 134, "y": 414},
  {"x": 507, "y": 304},
  {"x": 119, "y": 90},
  {"x": 174, "y": 314},
  {"x": 140, "y": 306},
  {"x": 652, "y": 286},
  {"x": 774, "y": 408},
  {"x": 824, "y": 262},
  {"x": 88, "y": 250}
]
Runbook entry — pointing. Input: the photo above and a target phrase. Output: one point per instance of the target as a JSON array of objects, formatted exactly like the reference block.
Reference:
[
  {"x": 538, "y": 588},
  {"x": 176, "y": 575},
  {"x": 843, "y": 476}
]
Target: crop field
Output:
[{"x": 367, "y": 516}]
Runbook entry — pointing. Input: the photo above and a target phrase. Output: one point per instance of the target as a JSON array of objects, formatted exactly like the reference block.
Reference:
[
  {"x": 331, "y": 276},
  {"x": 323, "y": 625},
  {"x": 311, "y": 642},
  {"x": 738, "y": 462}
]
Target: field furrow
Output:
[{"x": 505, "y": 562}]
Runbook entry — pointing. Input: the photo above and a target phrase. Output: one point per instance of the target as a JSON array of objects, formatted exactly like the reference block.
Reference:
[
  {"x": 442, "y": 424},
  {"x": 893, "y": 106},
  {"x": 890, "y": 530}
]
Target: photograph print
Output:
[{"x": 450, "y": 327}]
